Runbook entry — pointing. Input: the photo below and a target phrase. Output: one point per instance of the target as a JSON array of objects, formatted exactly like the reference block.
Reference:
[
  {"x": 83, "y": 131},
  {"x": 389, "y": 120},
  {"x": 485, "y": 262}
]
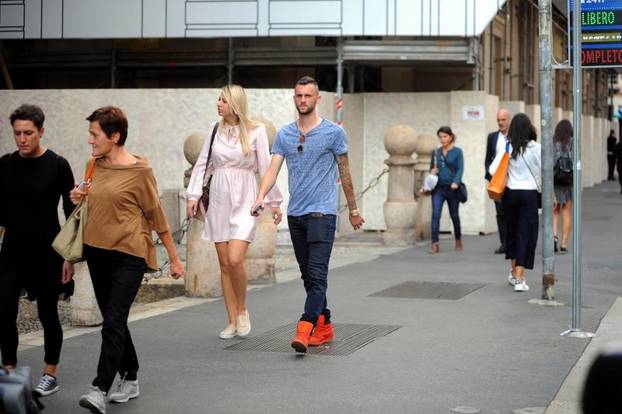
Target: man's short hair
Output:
[
  {"x": 28, "y": 113},
  {"x": 307, "y": 80},
  {"x": 505, "y": 110},
  {"x": 111, "y": 119}
]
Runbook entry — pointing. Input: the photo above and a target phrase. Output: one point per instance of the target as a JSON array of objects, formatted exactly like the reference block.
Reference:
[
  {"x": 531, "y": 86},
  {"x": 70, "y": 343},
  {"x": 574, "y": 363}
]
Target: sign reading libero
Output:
[{"x": 601, "y": 32}]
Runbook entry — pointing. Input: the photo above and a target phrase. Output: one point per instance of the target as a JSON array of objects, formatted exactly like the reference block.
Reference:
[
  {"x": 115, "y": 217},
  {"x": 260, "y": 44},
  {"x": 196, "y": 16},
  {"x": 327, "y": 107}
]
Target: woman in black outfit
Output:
[
  {"x": 520, "y": 199},
  {"x": 32, "y": 180}
]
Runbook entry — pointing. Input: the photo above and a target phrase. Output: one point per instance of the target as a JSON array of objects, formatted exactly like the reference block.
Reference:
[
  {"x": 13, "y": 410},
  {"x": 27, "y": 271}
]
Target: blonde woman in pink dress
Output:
[{"x": 240, "y": 151}]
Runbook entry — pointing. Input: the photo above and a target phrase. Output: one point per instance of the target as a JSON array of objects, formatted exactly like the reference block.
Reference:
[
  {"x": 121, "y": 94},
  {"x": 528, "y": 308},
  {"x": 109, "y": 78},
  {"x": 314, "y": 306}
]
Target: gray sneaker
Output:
[
  {"x": 126, "y": 390},
  {"x": 94, "y": 400},
  {"x": 47, "y": 385}
]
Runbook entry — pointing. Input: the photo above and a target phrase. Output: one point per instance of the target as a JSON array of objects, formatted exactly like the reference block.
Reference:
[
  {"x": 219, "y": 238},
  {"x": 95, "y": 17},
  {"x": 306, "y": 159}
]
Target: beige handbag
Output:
[{"x": 69, "y": 241}]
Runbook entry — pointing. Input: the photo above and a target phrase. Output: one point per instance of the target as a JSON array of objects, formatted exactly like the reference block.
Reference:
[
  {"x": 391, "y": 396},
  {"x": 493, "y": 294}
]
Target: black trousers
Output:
[
  {"x": 500, "y": 222},
  {"x": 521, "y": 217},
  {"x": 116, "y": 279},
  {"x": 12, "y": 279},
  {"x": 611, "y": 161}
]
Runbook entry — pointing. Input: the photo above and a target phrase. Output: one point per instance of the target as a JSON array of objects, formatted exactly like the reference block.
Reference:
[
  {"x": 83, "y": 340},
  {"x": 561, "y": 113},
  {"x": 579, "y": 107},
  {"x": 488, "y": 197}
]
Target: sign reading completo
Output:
[{"x": 601, "y": 32}]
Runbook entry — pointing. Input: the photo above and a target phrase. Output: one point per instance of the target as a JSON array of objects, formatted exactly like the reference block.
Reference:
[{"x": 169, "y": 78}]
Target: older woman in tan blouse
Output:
[{"x": 123, "y": 210}]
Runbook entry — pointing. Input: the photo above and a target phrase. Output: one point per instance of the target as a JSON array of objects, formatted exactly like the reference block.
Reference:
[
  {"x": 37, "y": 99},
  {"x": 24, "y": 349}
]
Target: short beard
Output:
[{"x": 308, "y": 111}]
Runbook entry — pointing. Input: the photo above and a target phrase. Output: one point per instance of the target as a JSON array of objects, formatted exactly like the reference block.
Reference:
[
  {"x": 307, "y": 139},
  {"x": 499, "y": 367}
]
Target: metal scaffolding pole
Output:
[
  {"x": 548, "y": 258},
  {"x": 577, "y": 85},
  {"x": 339, "y": 100},
  {"x": 230, "y": 62}
]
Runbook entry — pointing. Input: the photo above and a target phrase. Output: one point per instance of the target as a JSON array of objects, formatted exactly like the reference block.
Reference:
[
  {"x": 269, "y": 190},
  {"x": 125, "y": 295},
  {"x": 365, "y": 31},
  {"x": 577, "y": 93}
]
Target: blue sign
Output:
[{"x": 601, "y": 32}]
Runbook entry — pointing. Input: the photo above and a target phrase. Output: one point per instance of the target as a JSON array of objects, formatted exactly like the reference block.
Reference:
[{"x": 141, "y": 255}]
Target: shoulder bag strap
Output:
[
  {"x": 531, "y": 172},
  {"x": 88, "y": 173},
  {"x": 209, "y": 153}
]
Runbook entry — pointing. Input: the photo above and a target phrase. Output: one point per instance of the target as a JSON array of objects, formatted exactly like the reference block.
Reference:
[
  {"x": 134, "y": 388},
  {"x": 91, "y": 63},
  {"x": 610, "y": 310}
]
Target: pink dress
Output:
[{"x": 234, "y": 187}]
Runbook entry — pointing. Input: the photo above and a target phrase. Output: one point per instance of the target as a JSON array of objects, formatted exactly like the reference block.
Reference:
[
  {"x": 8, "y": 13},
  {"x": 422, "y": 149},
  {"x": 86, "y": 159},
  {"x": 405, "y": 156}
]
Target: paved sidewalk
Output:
[{"x": 490, "y": 349}]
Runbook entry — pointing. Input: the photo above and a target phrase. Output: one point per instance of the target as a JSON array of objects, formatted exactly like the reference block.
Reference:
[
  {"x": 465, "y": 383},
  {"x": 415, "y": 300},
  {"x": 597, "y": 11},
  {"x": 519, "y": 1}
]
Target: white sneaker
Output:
[
  {"x": 126, "y": 390},
  {"x": 244, "y": 324},
  {"x": 228, "y": 332},
  {"x": 94, "y": 400},
  {"x": 521, "y": 286},
  {"x": 512, "y": 280}
]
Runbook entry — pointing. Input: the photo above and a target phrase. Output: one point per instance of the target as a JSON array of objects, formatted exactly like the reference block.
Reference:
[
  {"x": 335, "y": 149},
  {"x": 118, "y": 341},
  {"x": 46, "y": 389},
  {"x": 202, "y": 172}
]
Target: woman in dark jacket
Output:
[{"x": 448, "y": 164}]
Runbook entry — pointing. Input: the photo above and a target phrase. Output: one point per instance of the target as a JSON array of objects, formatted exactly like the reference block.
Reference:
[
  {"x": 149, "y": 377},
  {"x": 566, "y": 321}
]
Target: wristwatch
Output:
[{"x": 355, "y": 212}]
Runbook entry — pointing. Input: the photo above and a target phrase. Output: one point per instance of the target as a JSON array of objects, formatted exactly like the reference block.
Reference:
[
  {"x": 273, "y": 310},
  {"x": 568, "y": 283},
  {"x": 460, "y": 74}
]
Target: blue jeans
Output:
[
  {"x": 441, "y": 194},
  {"x": 313, "y": 236}
]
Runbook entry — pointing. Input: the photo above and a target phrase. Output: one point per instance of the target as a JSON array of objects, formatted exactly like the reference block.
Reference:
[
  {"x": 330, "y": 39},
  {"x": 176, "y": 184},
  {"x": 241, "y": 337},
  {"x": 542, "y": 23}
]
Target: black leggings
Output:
[
  {"x": 116, "y": 279},
  {"x": 12, "y": 280}
]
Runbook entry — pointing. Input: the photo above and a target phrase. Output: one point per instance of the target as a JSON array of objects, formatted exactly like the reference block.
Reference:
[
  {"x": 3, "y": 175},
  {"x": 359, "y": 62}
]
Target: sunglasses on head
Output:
[{"x": 302, "y": 141}]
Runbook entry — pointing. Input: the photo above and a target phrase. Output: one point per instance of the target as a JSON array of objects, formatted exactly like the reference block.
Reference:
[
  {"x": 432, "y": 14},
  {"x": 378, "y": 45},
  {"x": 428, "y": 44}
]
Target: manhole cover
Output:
[
  {"x": 349, "y": 337},
  {"x": 429, "y": 290}
]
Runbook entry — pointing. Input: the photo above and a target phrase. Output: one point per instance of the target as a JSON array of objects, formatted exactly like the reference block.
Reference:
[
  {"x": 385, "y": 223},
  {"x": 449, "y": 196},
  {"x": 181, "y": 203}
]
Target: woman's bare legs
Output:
[
  {"x": 233, "y": 276},
  {"x": 225, "y": 279},
  {"x": 518, "y": 271},
  {"x": 235, "y": 258},
  {"x": 567, "y": 224}
]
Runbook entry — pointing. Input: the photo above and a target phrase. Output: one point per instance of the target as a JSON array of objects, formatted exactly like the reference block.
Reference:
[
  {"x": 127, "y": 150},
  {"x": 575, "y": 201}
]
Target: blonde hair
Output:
[{"x": 236, "y": 98}]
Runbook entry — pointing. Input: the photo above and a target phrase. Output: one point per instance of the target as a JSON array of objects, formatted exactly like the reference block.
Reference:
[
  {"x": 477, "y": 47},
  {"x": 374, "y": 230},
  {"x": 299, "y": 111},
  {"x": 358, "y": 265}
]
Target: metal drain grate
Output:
[
  {"x": 349, "y": 338},
  {"x": 429, "y": 290}
]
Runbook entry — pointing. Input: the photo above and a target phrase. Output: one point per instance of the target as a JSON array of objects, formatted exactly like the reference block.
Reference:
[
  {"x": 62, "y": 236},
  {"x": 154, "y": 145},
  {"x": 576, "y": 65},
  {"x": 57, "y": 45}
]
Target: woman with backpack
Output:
[{"x": 562, "y": 180}]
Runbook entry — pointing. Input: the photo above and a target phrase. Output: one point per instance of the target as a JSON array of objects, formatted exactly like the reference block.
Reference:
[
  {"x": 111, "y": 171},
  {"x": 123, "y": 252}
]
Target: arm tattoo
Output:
[{"x": 346, "y": 180}]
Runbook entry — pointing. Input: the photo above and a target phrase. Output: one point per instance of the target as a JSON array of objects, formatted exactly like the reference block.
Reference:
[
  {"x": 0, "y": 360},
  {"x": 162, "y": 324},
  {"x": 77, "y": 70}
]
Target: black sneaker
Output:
[{"x": 47, "y": 385}]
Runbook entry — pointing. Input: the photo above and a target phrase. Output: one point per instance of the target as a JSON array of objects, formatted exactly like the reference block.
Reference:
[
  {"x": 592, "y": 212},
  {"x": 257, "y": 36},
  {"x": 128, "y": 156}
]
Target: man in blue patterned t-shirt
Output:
[{"x": 314, "y": 149}]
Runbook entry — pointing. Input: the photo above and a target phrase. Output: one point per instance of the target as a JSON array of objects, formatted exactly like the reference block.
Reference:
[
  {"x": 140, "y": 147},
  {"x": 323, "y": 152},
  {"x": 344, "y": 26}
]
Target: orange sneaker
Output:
[
  {"x": 301, "y": 340},
  {"x": 323, "y": 332}
]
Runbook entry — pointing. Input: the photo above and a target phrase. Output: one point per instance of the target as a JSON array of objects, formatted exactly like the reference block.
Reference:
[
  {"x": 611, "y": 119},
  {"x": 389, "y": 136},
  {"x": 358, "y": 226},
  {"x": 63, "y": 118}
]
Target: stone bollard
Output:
[
  {"x": 202, "y": 277},
  {"x": 400, "y": 207},
  {"x": 170, "y": 203},
  {"x": 84, "y": 310},
  {"x": 424, "y": 147},
  {"x": 259, "y": 260}
]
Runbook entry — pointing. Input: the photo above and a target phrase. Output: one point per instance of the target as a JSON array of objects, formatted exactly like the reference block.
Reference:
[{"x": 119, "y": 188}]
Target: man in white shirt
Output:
[{"x": 495, "y": 144}]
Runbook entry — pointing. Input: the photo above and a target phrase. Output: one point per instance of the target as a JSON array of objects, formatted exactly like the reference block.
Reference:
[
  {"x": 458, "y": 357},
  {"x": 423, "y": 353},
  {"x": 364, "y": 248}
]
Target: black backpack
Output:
[{"x": 562, "y": 172}]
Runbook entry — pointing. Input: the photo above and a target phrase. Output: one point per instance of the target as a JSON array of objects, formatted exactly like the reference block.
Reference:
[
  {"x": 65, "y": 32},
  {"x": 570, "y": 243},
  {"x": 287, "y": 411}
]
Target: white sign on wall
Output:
[
  {"x": 473, "y": 113},
  {"x": 97, "y": 19}
]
